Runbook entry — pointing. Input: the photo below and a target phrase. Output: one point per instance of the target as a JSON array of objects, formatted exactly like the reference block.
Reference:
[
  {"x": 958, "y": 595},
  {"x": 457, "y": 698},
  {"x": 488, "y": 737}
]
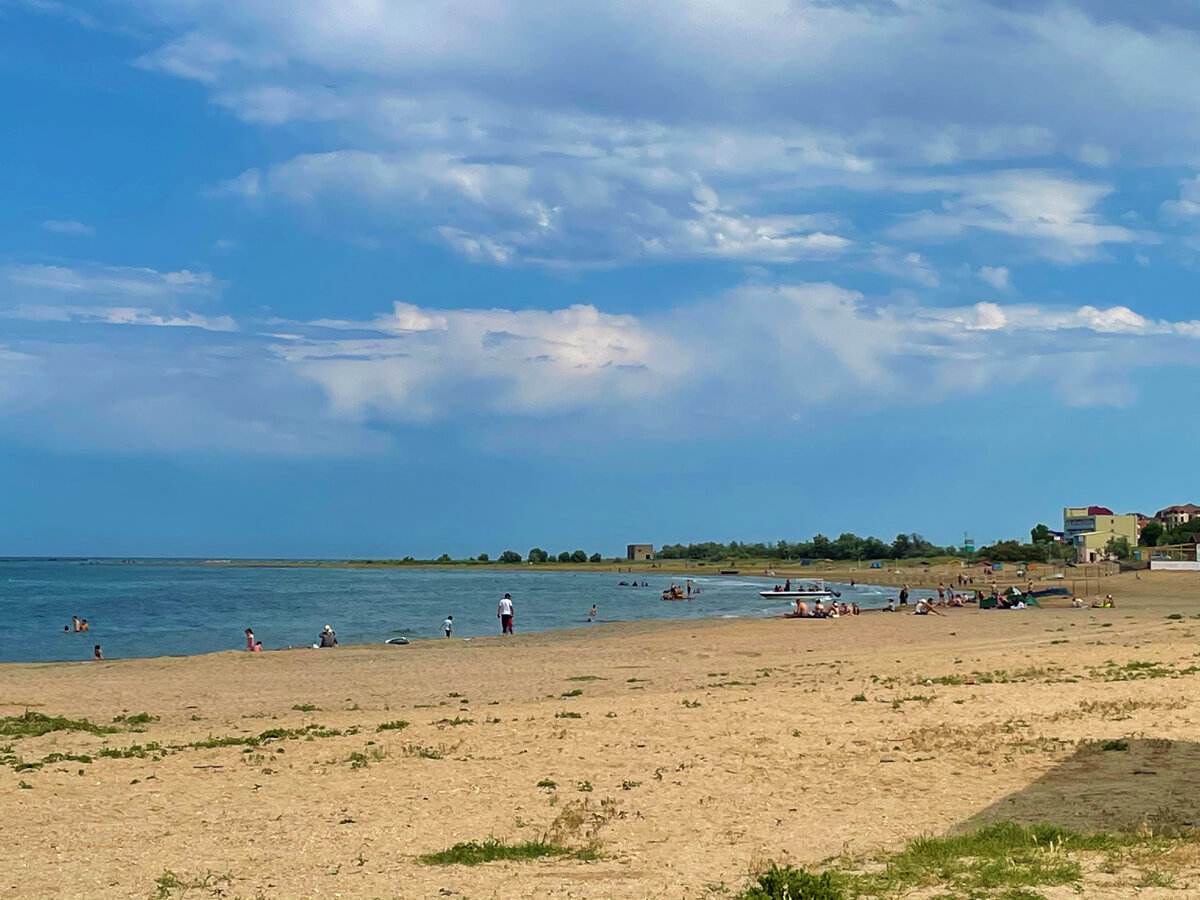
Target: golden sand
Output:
[{"x": 692, "y": 752}]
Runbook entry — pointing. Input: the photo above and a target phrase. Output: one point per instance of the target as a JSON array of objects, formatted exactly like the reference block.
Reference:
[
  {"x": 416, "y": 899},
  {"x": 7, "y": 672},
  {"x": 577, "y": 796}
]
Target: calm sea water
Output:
[{"x": 155, "y": 609}]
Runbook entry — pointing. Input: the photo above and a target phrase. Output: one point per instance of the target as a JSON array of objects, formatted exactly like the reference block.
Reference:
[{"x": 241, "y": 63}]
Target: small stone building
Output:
[{"x": 639, "y": 552}]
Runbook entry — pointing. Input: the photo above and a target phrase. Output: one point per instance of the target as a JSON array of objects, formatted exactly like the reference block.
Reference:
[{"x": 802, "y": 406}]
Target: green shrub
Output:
[{"x": 794, "y": 884}]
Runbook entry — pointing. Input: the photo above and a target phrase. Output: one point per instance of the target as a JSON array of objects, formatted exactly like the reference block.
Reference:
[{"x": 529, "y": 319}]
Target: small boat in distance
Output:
[{"x": 811, "y": 589}]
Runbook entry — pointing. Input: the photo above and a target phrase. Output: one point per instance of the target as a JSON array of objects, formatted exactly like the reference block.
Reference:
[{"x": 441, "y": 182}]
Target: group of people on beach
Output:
[{"x": 820, "y": 611}]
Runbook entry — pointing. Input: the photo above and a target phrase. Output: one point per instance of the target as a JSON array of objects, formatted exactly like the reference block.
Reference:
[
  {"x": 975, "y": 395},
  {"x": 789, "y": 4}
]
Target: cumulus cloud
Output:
[
  {"x": 592, "y": 208},
  {"x": 343, "y": 387}
]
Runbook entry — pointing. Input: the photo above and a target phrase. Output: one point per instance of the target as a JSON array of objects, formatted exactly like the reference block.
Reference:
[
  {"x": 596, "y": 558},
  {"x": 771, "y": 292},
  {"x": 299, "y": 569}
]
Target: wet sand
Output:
[{"x": 691, "y": 753}]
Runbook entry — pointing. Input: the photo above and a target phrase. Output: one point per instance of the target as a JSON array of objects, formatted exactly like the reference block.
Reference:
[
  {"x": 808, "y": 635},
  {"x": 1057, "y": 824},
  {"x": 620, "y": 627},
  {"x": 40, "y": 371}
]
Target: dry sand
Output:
[{"x": 700, "y": 750}]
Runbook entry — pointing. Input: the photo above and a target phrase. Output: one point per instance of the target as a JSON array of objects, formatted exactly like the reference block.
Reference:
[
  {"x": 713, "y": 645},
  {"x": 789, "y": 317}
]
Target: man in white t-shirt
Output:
[
  {"x": 448, "y": 625},
  {"x": 504, "y": 612}
]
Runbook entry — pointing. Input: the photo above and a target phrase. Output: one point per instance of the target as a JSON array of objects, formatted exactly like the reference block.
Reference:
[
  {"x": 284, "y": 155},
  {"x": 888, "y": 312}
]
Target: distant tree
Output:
[
  {"x": 1119, "y": 547},
  {"x": 538, "y": 555},
  {"x": 444, "y": 558},
  {"x": 596, "y": 557},
  {"x": 901, "y": 546},
  {"x": 482, "y": 557},
  {"x": 1040, "y": 534},
  {"x": 822, "y": 547},
  {"x": 578, "y": 557},
  {"x": 510, "y": 556},
  {"x": 848, "y": 546},
  {"x": 1180, "y": 534},
  {"x": 1151, "y": 532},
  {"x": 565, "y": 556},
  {"x": 874, "y": 548}
]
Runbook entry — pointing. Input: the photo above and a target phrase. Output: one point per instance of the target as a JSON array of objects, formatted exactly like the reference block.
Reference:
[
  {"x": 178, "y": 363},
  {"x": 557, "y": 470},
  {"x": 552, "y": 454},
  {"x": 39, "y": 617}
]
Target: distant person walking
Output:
[
  {"x": 448, "y": 625},
  {"x": 504, "y": 612}
]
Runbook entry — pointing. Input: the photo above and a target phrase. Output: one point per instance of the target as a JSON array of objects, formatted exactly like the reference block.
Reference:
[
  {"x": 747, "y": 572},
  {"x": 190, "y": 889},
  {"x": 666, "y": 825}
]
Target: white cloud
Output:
[
  {"x": 1053, "y": 213},
  {"x": 1188, "y": 204},
  {"x": 590, "y": 208},
  {"x": 107, "y": 282},
  {"x": 433, "y": 364},
  {"x": 115, "y": 295},
  {"x": 756, "y": 353},
  {"x": 68, "y": 226},
  {"x": 996, "y": 276}
]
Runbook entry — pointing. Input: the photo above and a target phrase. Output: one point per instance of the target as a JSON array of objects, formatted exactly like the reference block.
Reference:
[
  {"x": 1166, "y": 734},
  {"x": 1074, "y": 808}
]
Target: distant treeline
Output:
[
  {"x": 845, "y": 546},
  {"x": 1042, "y": 547}
]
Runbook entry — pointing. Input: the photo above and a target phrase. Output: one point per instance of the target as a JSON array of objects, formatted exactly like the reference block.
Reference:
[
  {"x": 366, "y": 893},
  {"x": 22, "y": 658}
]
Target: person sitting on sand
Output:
[
  {"x": 819, "y": 610},
  {"x": 891, "y": 605},
  {"x": 854, "y": 610},
  {"x": 802, "y": 609},
  {"x": 1077, "y": 602},
  {"x": 328, "y": 638},
  {"x": 843, "y": 609},
  {"x": 97, "y": 653},
  {"x": 924, "y": 608}
]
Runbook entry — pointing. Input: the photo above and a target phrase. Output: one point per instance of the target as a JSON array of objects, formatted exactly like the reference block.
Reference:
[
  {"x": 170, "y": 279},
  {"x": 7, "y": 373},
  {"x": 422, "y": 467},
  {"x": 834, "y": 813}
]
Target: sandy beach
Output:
[{"x": 685, "y": 754}]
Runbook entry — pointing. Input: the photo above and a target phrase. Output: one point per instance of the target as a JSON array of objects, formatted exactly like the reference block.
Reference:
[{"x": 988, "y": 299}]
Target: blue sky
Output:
[{"x": 364, "y": 278}]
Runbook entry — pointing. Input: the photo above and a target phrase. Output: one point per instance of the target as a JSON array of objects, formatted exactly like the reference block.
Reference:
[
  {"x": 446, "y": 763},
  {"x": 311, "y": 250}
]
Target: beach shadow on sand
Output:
[{"x": 1109, "y": 786}]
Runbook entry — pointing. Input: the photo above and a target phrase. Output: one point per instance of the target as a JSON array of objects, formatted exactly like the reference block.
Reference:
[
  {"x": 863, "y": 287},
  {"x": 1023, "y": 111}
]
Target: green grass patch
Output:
[
  {"x": 35, "y": 724},
  {"x": 999, "y": 862},
  {"x": 455, "y": 722},
  {"x": 585, "y": 678},
  {"x": 305, "y": 707},
  {"x": 578, "y": 692},
  {"x": 568, "y": 715},
  {"x": 394, "y": 725},
  {"x": 473, "y": 853}
]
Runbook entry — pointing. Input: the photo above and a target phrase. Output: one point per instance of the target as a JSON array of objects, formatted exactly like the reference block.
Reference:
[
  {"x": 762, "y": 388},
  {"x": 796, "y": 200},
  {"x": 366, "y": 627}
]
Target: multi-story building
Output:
[
  {"x": 1177, "y": 515},
  {"x": 1090, "y": 528}
]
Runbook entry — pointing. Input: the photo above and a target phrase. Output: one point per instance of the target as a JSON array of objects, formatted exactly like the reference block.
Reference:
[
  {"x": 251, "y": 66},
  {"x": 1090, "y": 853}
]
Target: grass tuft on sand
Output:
[{"x": 473, "y": 853}]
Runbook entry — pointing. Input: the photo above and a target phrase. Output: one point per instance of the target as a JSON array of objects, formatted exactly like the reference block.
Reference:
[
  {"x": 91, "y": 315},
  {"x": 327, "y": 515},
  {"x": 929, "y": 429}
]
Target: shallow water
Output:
[{"x": 155, "y": 609}]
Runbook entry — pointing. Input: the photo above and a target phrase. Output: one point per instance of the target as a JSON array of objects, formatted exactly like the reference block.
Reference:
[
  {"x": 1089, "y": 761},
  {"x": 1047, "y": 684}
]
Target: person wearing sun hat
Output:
[{"x": 328, "y": 637}]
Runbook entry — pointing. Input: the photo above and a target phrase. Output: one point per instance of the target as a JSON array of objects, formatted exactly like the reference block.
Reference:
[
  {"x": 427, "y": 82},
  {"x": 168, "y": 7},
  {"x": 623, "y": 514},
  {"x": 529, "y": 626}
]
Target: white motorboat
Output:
[{"x": 809, "y": 589}]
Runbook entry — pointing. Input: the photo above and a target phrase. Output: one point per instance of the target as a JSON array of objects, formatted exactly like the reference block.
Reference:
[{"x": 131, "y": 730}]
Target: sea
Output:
[{"x": 149, "y": 608}]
